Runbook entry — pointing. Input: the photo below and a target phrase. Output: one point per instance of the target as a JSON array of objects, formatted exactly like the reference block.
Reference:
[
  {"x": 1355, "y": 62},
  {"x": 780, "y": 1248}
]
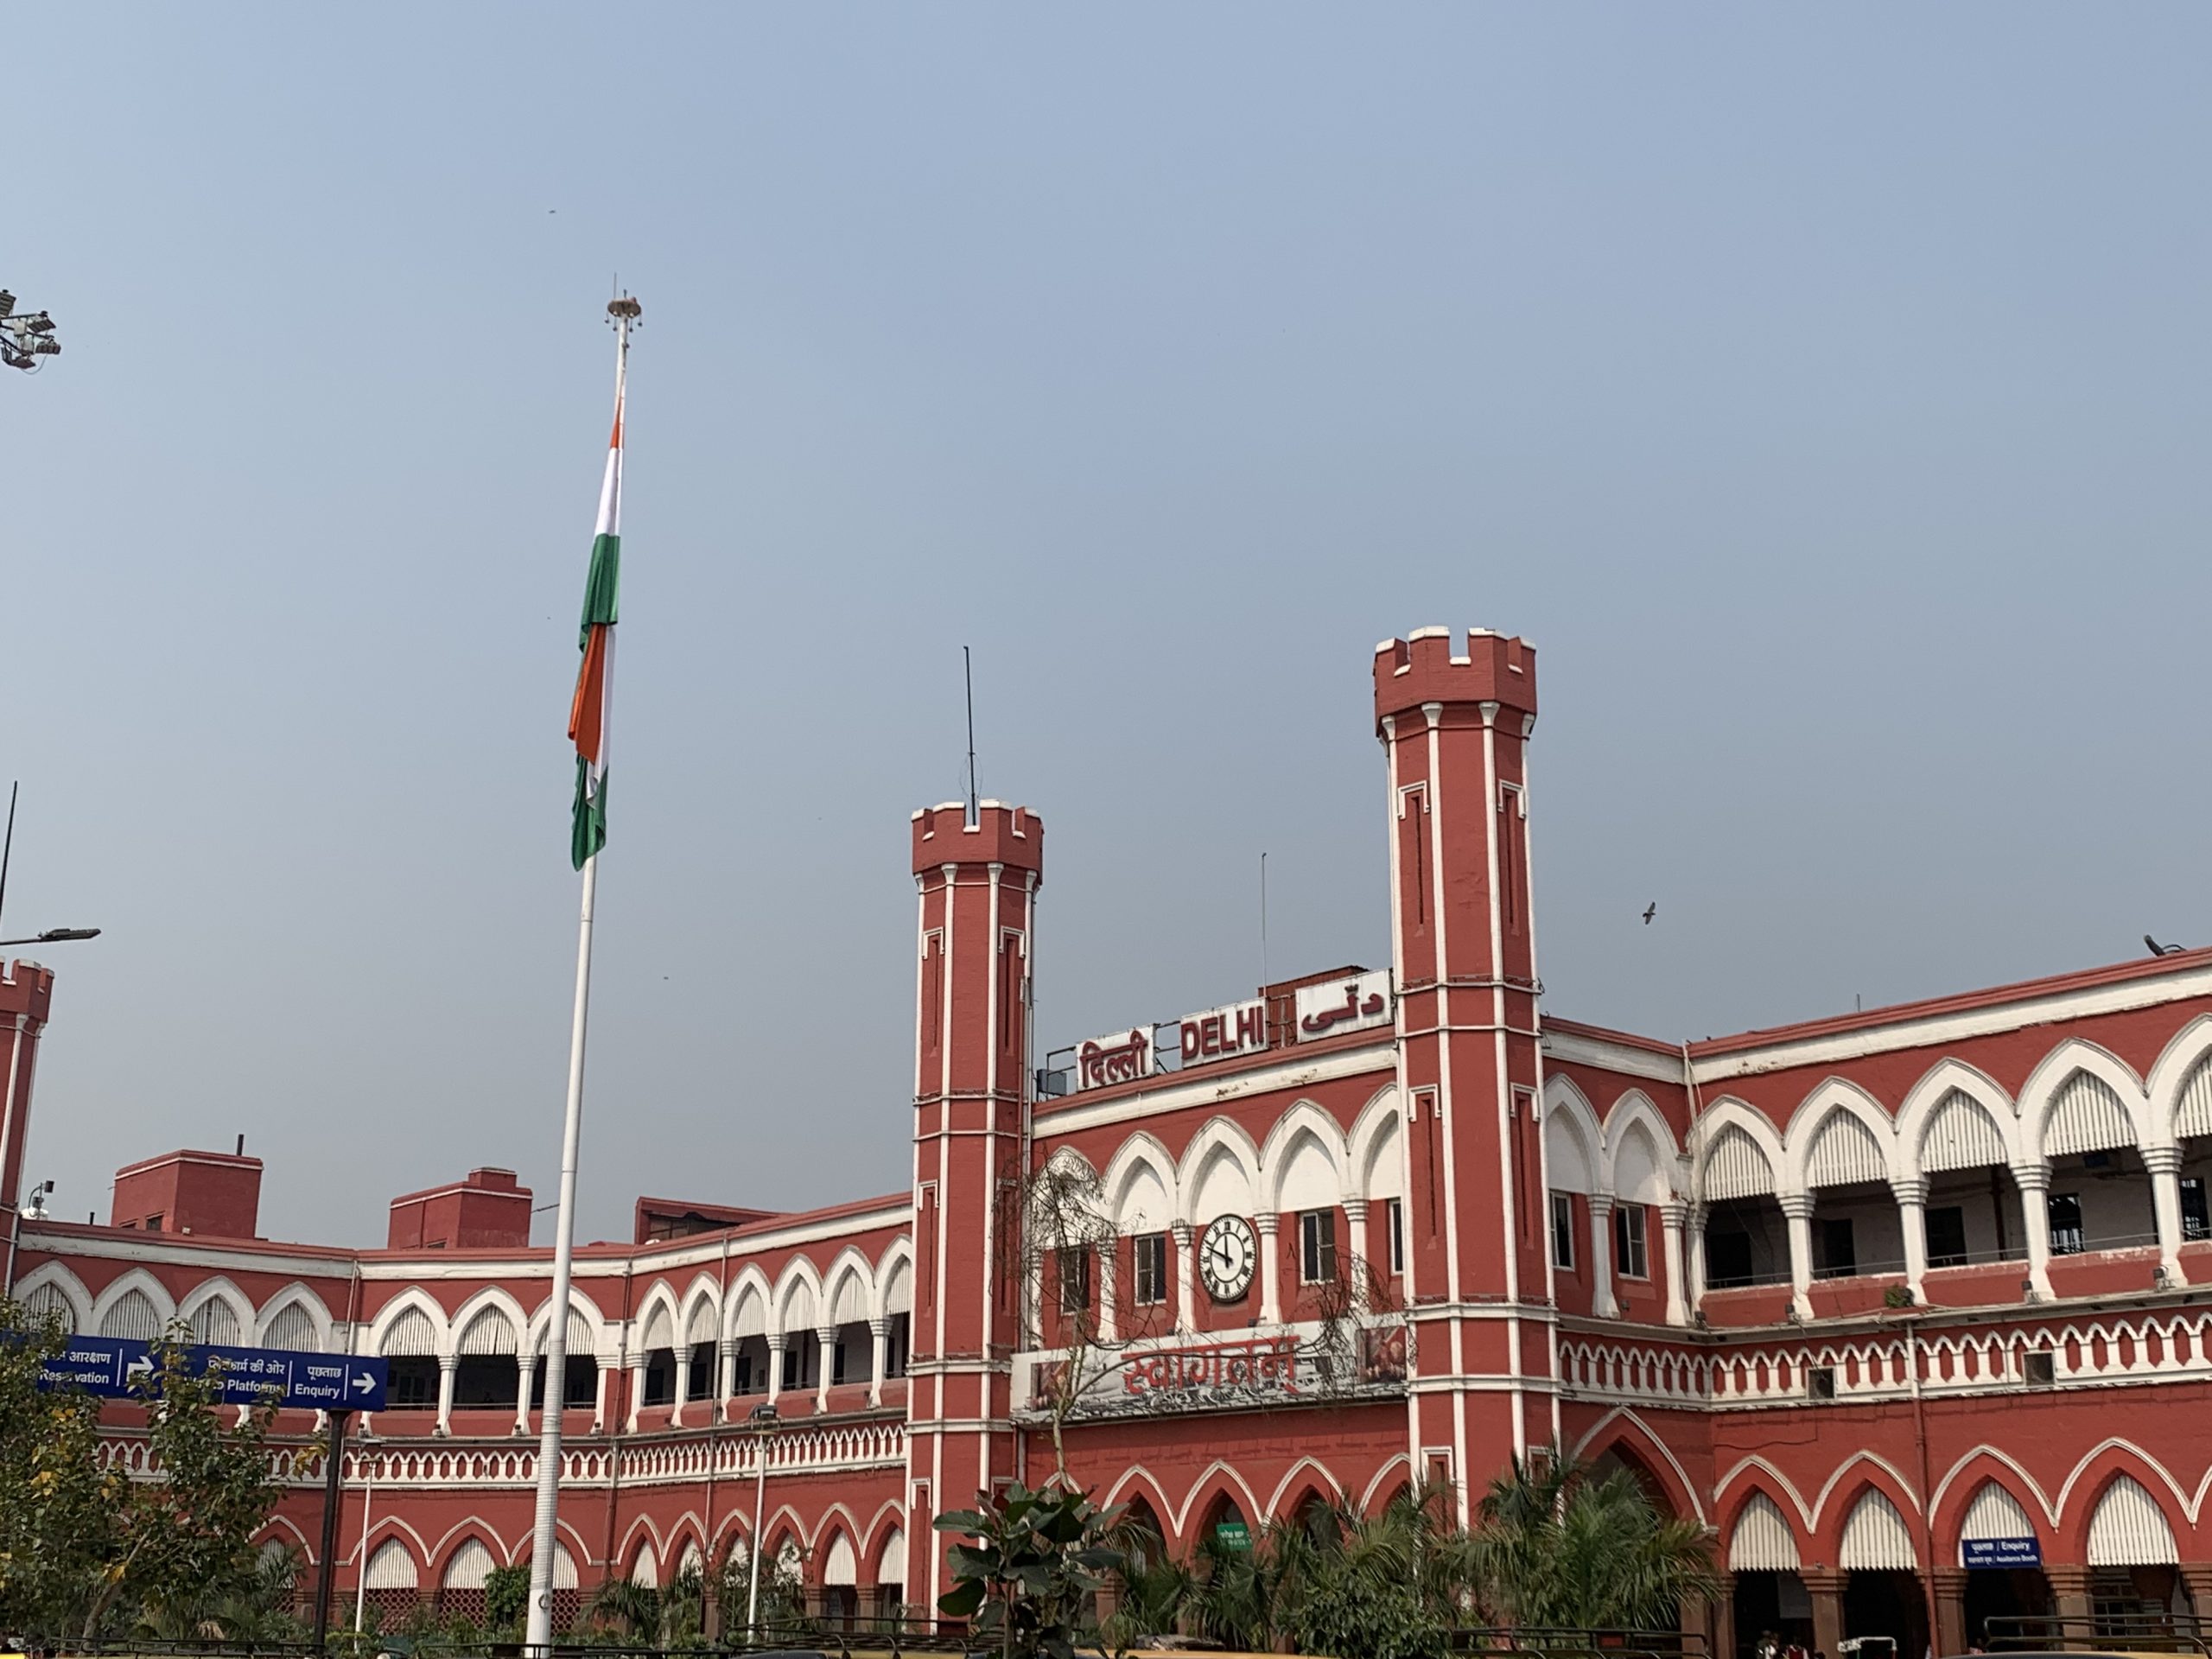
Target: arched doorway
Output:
[
  {"x": 1995, "y": 1537},
  {"x": 1882, "y": 1593},
  {"x": 2135, "y": 1578},
  {"x": 1768, "y": 1599}
]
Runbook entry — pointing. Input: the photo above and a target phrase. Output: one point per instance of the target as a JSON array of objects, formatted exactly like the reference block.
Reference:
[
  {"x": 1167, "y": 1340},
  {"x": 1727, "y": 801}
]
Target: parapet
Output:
[
  {"x": 1421, "y": 669},
  {"x": 1013, "y": 836},
  {"x": 26, "y": 988}
]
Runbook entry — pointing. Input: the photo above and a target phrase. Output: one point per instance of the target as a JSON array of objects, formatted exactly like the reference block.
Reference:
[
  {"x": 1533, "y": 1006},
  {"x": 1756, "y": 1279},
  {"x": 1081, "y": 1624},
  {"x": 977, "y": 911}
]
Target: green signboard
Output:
[{"x": 1232, "y": 1534}]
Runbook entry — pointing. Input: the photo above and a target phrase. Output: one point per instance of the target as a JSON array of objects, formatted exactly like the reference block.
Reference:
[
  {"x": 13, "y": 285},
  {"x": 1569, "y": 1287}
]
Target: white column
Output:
[
  {"x": 726, "y": 1387},
  {"x": 2165, "y": 1165},
  {"x": 555, "y": 1390},
  {"x": 448, "y": 1363},
  {"x": 1109, "y": 1290},
  {"x": 524, "y": 1373},
  {"x": 682, "y": 1382},
  {"x": 776, "y": 1340},
  {"x": 2034, "y": 1182},
  {"x": 1671, "y": 1215},
  {"x": 599, "y": 1374},
  {"x": 1601, "y": 1256},
  {"x": 1356, "y": 1264},
  {"x": 1694, "y": 1291},
  {"x": 1270, "y": 1270},
  {"x": 825, "y": 1338},
  {"x": 879, "y": 1345},
  {"x": 1797, "y": 1210},
  {"x": 1185, "y": 1278},
  {"x": 1912, "y": 1216}
]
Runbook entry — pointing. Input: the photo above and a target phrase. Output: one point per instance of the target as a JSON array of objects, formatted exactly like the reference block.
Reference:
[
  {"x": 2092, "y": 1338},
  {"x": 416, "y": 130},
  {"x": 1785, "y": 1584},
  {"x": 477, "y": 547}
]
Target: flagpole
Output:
[{"x": 545, "y": 1544}]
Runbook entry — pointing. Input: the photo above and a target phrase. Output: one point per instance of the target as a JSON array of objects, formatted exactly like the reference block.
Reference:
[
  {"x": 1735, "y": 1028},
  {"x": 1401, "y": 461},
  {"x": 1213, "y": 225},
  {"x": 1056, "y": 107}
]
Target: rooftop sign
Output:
[{"x": 1354, "y": 1003}]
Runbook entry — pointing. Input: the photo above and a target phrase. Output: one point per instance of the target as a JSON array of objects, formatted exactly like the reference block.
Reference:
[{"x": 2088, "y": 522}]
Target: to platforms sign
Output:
[{"x": 115, "y": 1368}]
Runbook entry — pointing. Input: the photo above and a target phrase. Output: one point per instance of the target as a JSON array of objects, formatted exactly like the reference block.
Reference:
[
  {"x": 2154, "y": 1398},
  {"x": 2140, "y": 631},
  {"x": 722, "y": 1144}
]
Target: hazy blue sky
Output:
[{"x": 1825, "y": 393}]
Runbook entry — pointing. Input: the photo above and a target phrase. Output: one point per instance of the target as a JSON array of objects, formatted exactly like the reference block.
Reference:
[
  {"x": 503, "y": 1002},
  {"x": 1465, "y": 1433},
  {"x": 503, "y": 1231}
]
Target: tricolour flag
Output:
[{"x": 591, "y": 716}]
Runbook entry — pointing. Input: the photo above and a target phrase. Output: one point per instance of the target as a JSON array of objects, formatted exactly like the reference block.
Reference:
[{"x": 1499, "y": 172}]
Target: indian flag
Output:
[{"x": 591, "y": 716}]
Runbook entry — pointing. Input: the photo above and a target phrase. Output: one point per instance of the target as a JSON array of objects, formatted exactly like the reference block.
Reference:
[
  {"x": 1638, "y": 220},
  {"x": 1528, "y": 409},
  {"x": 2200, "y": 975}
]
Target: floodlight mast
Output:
[{"x": 25, "y": 339}]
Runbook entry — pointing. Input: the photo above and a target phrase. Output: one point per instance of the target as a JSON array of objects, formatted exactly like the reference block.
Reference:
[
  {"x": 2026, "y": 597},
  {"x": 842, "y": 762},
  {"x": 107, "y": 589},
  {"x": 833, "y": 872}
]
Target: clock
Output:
[{"x": 1228, "y": 1251}]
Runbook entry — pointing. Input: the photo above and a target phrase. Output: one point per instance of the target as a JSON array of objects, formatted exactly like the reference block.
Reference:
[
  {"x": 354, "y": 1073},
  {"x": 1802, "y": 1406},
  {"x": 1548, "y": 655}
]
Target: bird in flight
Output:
[
  {"x": 2158, "y": 949},
  {"x": 1649, "y": 911}
]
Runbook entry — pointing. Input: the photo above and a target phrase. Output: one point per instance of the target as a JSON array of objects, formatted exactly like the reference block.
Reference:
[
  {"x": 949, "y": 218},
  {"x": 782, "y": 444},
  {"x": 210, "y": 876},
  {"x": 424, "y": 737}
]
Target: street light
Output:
[
  {"x": 765, "y": 1419},
  {"x": 54, "y": 936},
  {"x": 369, "y": 1463},
  {"x": 26, "y": 339}
]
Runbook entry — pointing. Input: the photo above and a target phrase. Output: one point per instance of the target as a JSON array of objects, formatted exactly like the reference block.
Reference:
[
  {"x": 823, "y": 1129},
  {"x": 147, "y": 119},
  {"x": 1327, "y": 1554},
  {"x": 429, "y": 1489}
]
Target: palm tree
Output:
[{"x": 1557, "y": 1544}]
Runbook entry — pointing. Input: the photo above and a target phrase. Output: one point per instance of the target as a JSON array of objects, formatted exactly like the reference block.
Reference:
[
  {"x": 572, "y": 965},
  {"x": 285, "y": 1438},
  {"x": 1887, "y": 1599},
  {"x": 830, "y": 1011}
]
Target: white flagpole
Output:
[{"x": 545, "y": 1544}]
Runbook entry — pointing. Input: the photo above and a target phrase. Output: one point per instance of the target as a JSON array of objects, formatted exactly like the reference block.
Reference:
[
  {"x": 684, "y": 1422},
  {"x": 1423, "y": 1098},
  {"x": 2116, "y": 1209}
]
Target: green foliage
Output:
[
  {"x": 506, "y": 1597},
  {"x": 87, "y": 1549},
  {"x": 1039, "y": 1560},
  {"x": 1554, "y": 1546}
]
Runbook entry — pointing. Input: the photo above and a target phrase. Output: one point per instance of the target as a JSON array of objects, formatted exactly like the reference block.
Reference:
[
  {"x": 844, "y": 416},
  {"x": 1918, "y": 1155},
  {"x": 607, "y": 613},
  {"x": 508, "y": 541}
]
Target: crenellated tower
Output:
[
  {"x": 1455, "y": 729},
  {"x": 978, "y": 883}
]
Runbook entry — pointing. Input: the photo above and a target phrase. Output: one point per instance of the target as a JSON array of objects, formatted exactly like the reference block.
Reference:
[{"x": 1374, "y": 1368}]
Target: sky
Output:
[{"x": 1824, "y": 392}]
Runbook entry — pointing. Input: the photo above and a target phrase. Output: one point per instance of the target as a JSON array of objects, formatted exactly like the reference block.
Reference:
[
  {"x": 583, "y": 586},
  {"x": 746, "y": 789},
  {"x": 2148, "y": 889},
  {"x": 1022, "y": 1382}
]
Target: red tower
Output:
[
  {"x": 978, "y": 883},
  {"x": 26, "y": 991},
  {"x": 1456, "y": 730}
]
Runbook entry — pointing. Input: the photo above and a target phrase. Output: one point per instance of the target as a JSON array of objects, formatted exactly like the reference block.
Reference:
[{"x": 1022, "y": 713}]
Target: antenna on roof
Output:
[
  {"x": 967, "y": 673},
  {"x": 8, "y": 846},
  {"x": 1264, "y": 922}
]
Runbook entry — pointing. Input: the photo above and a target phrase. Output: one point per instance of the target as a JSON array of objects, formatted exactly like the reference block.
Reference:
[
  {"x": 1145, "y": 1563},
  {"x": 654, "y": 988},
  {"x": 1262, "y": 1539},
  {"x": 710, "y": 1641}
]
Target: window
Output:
[
  {"x": 836, "y": 1362},
  {"x": 898, "y": 1341},
  {"x": 1563, "y": 1231},
  {"x": 1946, "y": 1236},
  {"x": 743, "y": 1383},
  {"x": 1150, "y": 1250},
  {"x": 660, "y": 1377},
  {"x": 1839, "y": 1251},
  {"x": 1393, "y": 1217},
  {"x": 2196, "y": 1218},
  {"x": 579, "y": 1383},
  {"x": 1820, "y": 1382},
  {"x": 794, "y": 1365},
  {"x": 153, "y": 1223},
  {"x": 412, "y": 1383},
  {"x": 1072, "y": 1262},
  {"x": 701, "y": 1378},
  {"x": 1317, "y": 1246},
  {"x": 1630, "y": 1259},
  {"x": 2038, "y": 1369},
  {"x": 2066, "y": 1223}
]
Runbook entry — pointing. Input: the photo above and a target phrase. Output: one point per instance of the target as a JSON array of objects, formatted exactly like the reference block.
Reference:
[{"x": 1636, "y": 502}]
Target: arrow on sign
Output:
[
  {"x": 363, "y": 1385},
  {"x": 141, "y": 1366}
]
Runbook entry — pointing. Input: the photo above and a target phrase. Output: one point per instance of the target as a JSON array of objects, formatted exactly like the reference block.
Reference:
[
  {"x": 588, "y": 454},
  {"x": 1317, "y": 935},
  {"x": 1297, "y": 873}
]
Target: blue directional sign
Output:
[
  {"x": 2000, "y": 1552},
  {"x": 114, "y": 1367}
]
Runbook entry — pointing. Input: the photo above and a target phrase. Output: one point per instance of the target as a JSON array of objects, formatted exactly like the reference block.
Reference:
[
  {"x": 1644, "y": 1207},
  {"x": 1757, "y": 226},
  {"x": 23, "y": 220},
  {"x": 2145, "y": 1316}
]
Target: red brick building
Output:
[{"x": 1912, "y": 1308}]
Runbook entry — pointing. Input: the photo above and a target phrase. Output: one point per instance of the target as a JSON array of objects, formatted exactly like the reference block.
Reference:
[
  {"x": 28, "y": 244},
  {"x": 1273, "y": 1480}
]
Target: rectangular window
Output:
[
  {"x": 1946, "y": 1236},
  {"x": 1630, "y": 1259},
  {"x": 1317, "y": 1246},
  {"x": 2066, "y": 1223},
  {"x": 795, "y": 1365},
  {"x": 1563, "y": 1231},
  {"x": 1509, "y": 856},
  {"x": 1073, "y": 1262},
  {"x": 897, "y": 1343},
  {"x": 741, "y": 1375},
  {"x": 2196, "y": 1218},
  {"x": 1150, "y": 1253},
  {"x": 1839, "y": 1249},
  {"x": 1393, "y": 1217}
]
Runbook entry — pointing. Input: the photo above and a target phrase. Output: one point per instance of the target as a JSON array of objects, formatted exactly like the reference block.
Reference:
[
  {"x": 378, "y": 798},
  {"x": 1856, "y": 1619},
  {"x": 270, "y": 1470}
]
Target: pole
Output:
[
  {"x": 361, "y": 1578},
  {"x": 333, "y": 1470},
  {"x": 760, "y": 1499},
  {"x": 544, "y": 1541},
  {"x": 967, "y": 674},
  {"x": 1263, "y": 924},
  {"x": 8, "y": 846}
]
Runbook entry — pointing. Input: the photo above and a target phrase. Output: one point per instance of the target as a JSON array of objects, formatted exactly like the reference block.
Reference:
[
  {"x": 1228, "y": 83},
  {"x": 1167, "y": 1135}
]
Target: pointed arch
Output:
[
  {"x": 656, "y": 1322},
  {"x": 1303, "y": 1162},
  {"x": 895, "y": 1280},
  {"x": 1621, "y": 1429},
  {"x": 1307, "y": 1478},
  {"x": 411, "y": 1323},
  {"x": 1949, "y": 1116},
  {"x": 1574, "y": 1144},
  {"x": 852, "y": 1288},
  {"x": 2058, "y": 1114},
  {"x": 218, "y": 1313},
  {"x": 52, "y": 1285},
  {"x": 1761, "y": 1538},
  {"x": 1839, "y": 1134},
  {"x": 1624, "y": 1118},
  {"x": 798, "y": 1297},
  {"x": 1842, "y": 1490},
  {"x": 489, "y": 1323},
  {"x": 1738, "y": 1155},
  {"x": 1986, "y": 1463},
  {"x": 2086, "y": 1484},
  {"x": 703, "y": 1311},
  {"x": 585, "y": 1331},
  {"x": 746, "y": 1313},
  {"x": 1377, "y": 1154},
  {"x": 1379, "y": 1490},
  {"x": 2179, "y": 1086},
  {"x": 1220, "y": 1172},
  {"x": 135, "y": 1304},
  {"x": 295, "y": 1318},
  {"x": 1218, "y": 1482}
]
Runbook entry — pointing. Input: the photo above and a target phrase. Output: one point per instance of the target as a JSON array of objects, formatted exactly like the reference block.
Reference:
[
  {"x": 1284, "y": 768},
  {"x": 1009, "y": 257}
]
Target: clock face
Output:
[{"x": 1228, "y": 1251}]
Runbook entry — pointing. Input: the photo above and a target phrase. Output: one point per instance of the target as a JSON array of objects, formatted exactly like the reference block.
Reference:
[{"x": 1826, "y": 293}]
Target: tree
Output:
[
  {"x": 1066, "y": 1227},
  {"x": 1556, "y": 1544},
  {"x": 84, "y": 1546},
  {"x": 1039, "y": 1561}
]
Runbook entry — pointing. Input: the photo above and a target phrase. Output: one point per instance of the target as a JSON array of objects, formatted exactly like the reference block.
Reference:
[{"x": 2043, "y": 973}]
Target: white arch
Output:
[
  {"x": 1631, "y": 1109},
  {"x": 295, "y": 1317},
  {"x": 2041, "y": 1091},
  {"x": 704, "y": 1293},
  {"x": 895, "y": 1280},
  {"x": 1926, "y": 1098},
  {"x": 1303, "y": 1162},
  {"x": 587, "y": 1327},
  {"x": 1724, "y": 1126},
  {"x": 76, "y": 1302},
  {"x": 1376, "y": 1146},
  {"x": 477, "y": 1321},
  {"x": 197, "y": 1310},
  {"x": 1219, "y": 1173},
  {"x": 416, "y": 1301},
  {"x": 138, "y": 1280},
  {"x": 1814, "y": 1118},
  {"x": 2187, "y": 1050},
  {"x": 1140, "y": 1186},
  {"x": 852, "y": 1289},
  {"x": 1574, "y": 1144},
  {"x": 1634, "y": 1166},
  {"x": 799, "y": 1294},
  {"x": 747, "y": 1313},
  {"x": 656, "y": 1323}
]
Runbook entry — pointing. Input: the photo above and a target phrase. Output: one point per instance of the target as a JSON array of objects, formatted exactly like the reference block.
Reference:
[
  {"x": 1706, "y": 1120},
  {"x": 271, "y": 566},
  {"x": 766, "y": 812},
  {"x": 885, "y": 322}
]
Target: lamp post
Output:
[
  {"x": 27, "y": 338},
  {"x": 764, "y": 1419},
  {"x": 54, "y": 936},
  {"x": 368, "y": 1500}
]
